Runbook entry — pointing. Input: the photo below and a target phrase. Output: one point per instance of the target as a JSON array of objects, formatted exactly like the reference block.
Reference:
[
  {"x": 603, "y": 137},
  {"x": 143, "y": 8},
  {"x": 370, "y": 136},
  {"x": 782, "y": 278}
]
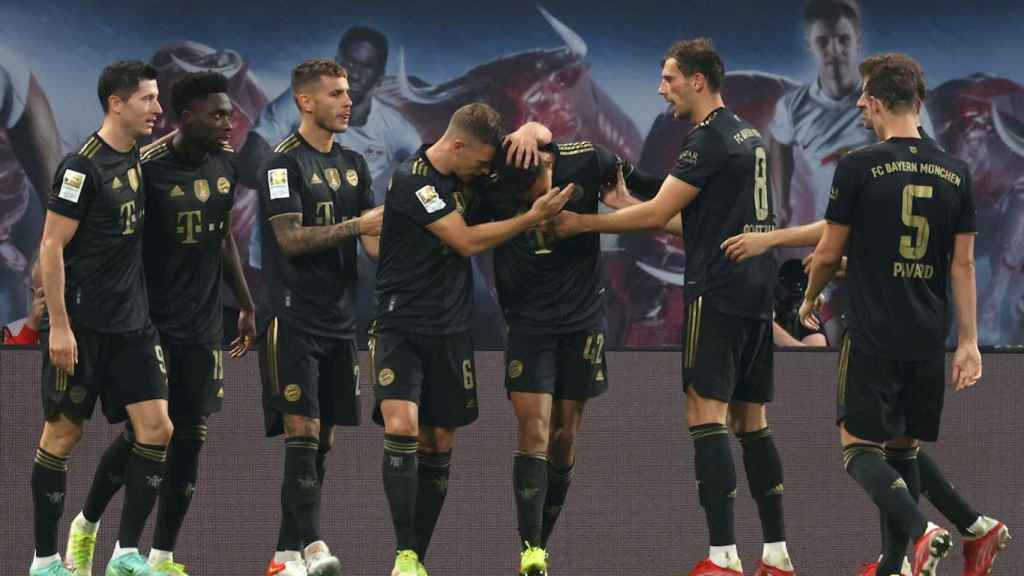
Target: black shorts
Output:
[
  {"x": 308, "y": 375},
  {"x": 568, "y": 366},
  {"x": 119, "y": 369},
  {"x": 436, "y": 372},
  {"x": 195, "y": 379},
  {"x": 727, "y": 358},
  {"x": 880, "y": 399}
]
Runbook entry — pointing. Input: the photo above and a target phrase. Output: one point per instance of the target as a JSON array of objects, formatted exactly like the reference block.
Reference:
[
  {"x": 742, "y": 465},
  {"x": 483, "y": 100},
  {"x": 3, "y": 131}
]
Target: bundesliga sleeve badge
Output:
[
  {"x": 429, "y": 198},
  {"x": 277, "y": 179},
  {"x": 71, "y": 186}
]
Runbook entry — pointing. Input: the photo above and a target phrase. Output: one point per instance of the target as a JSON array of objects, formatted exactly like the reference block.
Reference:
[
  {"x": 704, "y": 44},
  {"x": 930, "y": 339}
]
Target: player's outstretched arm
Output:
[
  {"x": 743, "y": 246},
  {"x": 654, "y": 214},
  {"x": 235, "y": 277},
  {"x": 371, "y": 242},
  {"x": 619, "y": 196},
  {"x": 524, "y": 144},
  {"x": 57, "y": 232},
  {"x": 296, "y": 239},
  {"x": 470, "y": 240},
  {"x": 827, "y": 258},
  {"x": 967, "y": 359}
]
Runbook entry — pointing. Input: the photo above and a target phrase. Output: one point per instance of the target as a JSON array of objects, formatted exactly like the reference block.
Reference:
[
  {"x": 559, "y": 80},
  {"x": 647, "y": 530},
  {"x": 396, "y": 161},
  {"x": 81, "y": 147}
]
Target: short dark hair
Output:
[
  {"x": 831, "y": 11},
  {"x": 312, "y": 70},
  {"x": 868, "y": 67},
  {"x": 195, "y": 86},
  {"x": 895, "y": 79},
  {"x": 698, "y": 55},
  {"x": 372, "y": 37},
  {"x": 514, "y": 179},
  {"x": 481, "y": 122},
  {"x": 122, "y": 79}
]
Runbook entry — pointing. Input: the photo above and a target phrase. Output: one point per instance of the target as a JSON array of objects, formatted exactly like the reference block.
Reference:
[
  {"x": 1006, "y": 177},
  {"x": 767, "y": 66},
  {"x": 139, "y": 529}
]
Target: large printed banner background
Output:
[{"x": 587, "y": 70}]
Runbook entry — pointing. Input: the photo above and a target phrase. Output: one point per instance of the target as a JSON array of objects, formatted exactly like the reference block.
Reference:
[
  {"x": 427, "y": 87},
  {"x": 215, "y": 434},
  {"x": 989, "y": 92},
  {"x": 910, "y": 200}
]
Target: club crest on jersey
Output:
[
  {"x": 202, "y": 190},
  {"x": 223, "y": 185},
  {"x": 277, "y": 180},
  {"x": 352, "y": 177},
  {"x": 292, "y": 392},
  {"x": 133, "y": 179},
  {"x": 71, "y": 185},
  {"x": 333, "y": 178},
  {"x": 429, "y": 199}
]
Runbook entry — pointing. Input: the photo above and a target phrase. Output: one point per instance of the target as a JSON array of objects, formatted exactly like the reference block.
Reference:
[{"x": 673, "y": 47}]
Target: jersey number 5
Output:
[
  {"x": 911, "y": 247},
  {"x": 760, "y": 184}
]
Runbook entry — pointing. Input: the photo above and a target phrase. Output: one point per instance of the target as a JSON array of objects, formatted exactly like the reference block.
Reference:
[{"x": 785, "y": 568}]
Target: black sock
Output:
[
  {"x": 109, "y": 476},
  {"x": 287, "y": 532},
  {"x": 321, "y": 463},
  {"x": 894, "y": 539},
  {"x": 301, "y": 491},
  {"x": 142, "y": 480},
  {"x": 559, "y": 480},
  {"x": 764, "y": 475},
  {"x": 530, "y": 486},
  {"x": 179, "y": 484},
  {"x": 49, "y": 478},
  {"x": 716, "y": 481},
  {"x": 400, "y": 476},
  {"x": 432, "y": 487},
  {"x": 866, "y": 464},
  {"x": 941, "y": 493}
]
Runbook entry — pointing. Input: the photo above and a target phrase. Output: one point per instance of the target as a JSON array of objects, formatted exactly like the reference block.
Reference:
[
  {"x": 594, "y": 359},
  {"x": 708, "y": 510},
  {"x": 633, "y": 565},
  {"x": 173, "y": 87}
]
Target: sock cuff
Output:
[
  {"x": 400, "y": 444},
  {"x": 51, "y": 462},
  {"x": 561, "y": 475},
  {"x": 440, "y": 460},
  {"x": 195, "y": 432},
  {"x": 702, "y": 431},
  {"x": 531, "y": 455},
  {"x": 745, "y": 437},
  {"x": 302, "y": 443},
  {"x": 901, "y": 454},
  {"x": 153, "y": 452},
  {"x": 851, "y": 452}
]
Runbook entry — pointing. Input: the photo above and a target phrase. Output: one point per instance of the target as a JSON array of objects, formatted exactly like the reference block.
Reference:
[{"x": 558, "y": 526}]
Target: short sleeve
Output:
[
  {"x": 842, "y": 200},
  {"x": 280, "y": 186},
  {"x": 781, "y": 128},
  {"x": 966, "y": 220},
  {"x": 419, "y": 199},
  {"x": 74, "y": 186},
  {"x": 704, "y": 155}
]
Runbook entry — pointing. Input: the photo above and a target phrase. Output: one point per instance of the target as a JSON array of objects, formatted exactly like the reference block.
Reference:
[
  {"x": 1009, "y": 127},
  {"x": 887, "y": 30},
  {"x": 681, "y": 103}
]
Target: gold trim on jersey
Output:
[
  {"x": 271, "y": 219},
  {"x": 288, "y": 143},
  {"x": 844, "y": 366},
  {"x": 572, "y": 148},
  {"x": 61, "y": 380},
  {"x": 158, "y": 151},
  {"x": 272, "y": 356},
  {"x": 91, "y": 146},
  {"x": 420, "y": 168},
  {"x": 694, "y": 316}
]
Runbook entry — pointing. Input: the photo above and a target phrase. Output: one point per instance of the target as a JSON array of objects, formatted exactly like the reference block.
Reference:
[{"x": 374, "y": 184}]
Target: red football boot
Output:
[
  {"x": 709, "y": 568},
  {"x": 929, "y": 549},
  {"x": 980, "y": 553}
]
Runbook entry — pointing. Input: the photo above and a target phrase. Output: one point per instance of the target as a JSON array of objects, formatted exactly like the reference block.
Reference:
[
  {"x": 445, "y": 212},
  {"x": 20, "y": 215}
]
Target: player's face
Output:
[
  {"x": 140, "y": 111},
  {"x": 332, "y": 105},
  {"x": 472, "y": 159},
  {"x": 209, "y": 121},
  {"x": 835, "y": 47},
  {"x": 365, "y": 68},
  {"x": 676, "y": 88},
  {"x": 869, "y": 107}
]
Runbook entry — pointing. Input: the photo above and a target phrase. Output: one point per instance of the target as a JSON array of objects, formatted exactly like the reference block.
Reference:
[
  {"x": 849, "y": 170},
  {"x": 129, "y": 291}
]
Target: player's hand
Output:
[
  {"x": 246, "y": 334},
  {"x": 523, "y": 150},
  {"x": 35, "y": 312},
  {"x": 371, "y": 221},
  {"x": 617, "y": 196},
  {"x": 551, "y": 202},
  {"x": 807, "y": 314},
  {"x": 567, "y": 224},
  {"x": 966, "y": 366},
  {"x": 158, "y": 141},
  {"x": 742, "y": 246},
  {"x": 63, "y": 349}
]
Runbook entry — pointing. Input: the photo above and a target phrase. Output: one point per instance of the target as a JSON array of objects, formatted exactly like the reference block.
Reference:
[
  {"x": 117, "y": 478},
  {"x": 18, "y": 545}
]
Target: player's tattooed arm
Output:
[
  {"x": 371, "y": 242},
  {"x": 296, "y": 239}
]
